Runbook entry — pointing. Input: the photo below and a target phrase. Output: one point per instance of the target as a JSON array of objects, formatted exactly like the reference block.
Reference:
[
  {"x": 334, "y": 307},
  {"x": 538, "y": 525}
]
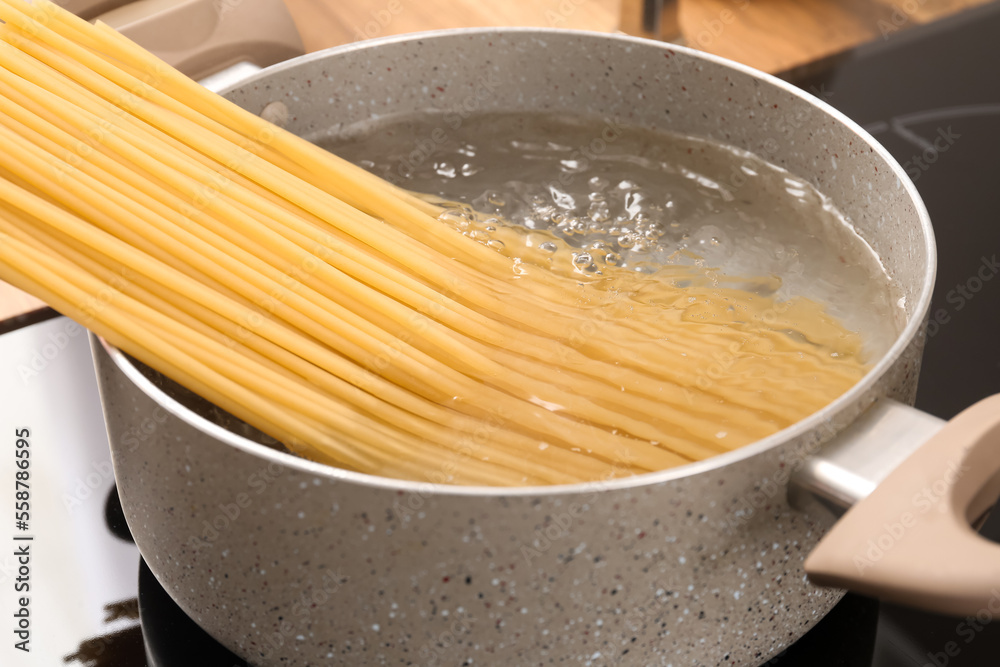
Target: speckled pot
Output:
[{"x": 294, "y": 563}]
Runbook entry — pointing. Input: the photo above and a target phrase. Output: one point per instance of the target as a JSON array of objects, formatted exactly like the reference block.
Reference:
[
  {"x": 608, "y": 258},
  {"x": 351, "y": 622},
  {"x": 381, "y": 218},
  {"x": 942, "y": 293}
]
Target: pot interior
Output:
[{"x": 462, "y": 73}]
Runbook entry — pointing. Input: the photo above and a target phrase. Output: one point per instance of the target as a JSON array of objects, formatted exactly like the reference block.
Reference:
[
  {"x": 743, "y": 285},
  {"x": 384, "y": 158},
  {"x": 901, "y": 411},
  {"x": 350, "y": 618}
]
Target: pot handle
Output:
[
  {"x": 204, "y": 37},
  {"x": 911, "y": 540}
]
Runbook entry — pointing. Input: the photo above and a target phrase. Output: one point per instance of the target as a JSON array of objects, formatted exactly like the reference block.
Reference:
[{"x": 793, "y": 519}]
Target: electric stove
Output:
[{"x": 930, "y": 94}]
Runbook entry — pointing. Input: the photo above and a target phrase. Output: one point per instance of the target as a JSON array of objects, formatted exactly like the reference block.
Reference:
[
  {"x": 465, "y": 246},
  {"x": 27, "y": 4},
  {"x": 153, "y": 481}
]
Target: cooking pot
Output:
[{"x": 286, "y": 561}]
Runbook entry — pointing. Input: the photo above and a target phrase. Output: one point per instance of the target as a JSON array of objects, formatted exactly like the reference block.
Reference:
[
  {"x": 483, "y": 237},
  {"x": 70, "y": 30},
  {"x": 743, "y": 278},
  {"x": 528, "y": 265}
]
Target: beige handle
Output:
[
  {"x": 88, "y": 9},
  {"x": 911, "y": 540},
  {"x": 202, "y": 37}
]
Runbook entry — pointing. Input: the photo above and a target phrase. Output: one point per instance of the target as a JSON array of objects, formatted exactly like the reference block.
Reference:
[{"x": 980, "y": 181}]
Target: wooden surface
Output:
[
  {"x": 776, "y": 35},
  {"x": 772, "y": 35}
]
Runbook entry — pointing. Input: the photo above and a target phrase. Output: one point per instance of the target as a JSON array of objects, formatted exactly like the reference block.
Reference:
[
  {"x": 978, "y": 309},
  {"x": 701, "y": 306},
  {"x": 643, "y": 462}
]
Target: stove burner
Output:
[
  {"x": 172, "y": 638},
  {"x": 114, "y": 516}
]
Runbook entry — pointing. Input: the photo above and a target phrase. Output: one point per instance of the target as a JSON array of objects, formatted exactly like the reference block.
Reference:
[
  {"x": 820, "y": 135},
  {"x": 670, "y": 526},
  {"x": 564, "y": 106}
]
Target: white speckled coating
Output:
[{"x": 293, "y": 563}]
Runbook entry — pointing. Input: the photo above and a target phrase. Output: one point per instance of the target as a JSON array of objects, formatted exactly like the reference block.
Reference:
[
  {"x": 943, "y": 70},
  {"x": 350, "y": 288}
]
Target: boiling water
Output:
[{"x": 639, "y": 199}]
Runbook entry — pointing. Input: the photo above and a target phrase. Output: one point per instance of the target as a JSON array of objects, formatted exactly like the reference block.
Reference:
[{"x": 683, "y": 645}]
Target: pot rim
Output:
[{"x": 913, "y": 326}]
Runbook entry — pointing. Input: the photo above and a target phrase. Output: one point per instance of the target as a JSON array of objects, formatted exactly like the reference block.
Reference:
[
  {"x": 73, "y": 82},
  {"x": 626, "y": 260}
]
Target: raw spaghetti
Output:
[{"x": 337, "y": 313}]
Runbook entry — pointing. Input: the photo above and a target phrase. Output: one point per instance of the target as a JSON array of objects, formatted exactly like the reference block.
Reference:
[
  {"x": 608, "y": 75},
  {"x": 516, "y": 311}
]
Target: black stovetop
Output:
[{"x": 931, "y": 95}]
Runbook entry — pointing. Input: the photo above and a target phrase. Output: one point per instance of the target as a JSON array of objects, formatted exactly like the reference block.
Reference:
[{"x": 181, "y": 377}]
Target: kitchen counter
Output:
[{"x": 772, "y": 35}]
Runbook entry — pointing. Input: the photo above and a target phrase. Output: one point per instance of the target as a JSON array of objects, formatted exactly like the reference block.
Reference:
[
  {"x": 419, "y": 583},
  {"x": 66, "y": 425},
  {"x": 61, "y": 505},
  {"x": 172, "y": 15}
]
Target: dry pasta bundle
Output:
[{"x": 339, "y": 314}]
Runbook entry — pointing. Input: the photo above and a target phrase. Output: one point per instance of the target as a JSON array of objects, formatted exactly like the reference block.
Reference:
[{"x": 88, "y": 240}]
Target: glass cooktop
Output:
[{"x": 931, "y": 95}]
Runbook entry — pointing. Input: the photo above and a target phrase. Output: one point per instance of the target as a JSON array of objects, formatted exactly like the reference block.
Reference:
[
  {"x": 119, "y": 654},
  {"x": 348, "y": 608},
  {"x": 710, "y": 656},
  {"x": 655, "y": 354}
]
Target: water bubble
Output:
[
  {"x": 445, "y": 169},
  {"x": 598, "y": 211},
  {"x": 707, "y": 239},
  {"x": 496, "y": 199},
  {"x": 613, "y": 258},
  {"x": 546, "y": 212},
  {"x": 457, "y": 218},
  {"x": 598, "y": 183},
  {"x": 496, "y": 244},
  {"x": 469, "y": 170},
  {"x": 633, "y": 204},
  {"x": 626, "y": 241},
  {"x": 548, "y": 246},
  {"x": 654, "y": 231},
  {"x": 573, "y": 227},
  {"x": 562, "y": 199}
]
